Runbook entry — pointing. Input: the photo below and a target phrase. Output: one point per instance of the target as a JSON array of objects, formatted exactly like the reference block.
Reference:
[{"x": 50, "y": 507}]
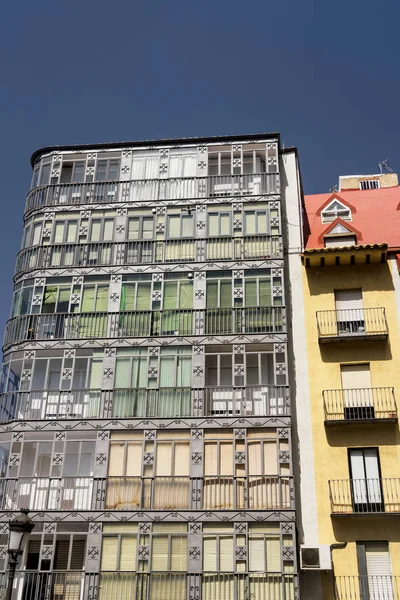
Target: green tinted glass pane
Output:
[
  {"x": 88, "y": 298},
  {"x": 212, "y": 294},
  {"x": 63, "y": 299},
  {"x": 226, "y": 293},
  {"x": 262, "y": 222},
  {"x": 49, "y": 299},
  {"x": 265, "y": 292},
  {"x": 102, "y": 298},
  {"x": 143, "y": 296},
  {"x": 186, "y": 294},
  {"x": 128, "y": 296},
  {"x": 213, "y": 225},
  {"x": 170, "y": 294}
]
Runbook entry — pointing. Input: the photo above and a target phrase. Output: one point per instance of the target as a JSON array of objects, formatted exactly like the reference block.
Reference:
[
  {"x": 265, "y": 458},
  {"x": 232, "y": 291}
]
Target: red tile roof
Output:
[{"x": 377, "y": 216}]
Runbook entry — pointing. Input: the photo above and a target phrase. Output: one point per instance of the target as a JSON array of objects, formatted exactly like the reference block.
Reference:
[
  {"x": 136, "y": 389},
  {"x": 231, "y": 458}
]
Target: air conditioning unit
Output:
[{"x": 315, "y": 558}]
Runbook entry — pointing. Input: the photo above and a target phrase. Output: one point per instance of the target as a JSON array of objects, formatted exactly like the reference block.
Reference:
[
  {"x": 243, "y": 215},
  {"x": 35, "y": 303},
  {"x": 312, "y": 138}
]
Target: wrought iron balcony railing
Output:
[
  {"x": 220, "y": 321},
  {"x": 264, "y": 492},
  {"x": 265, "y": 400},
  {"x": 372, "y": 587},
  {"x": 360, "y": 404},
  {"x": 365, "y": 496},
  {"x": 171, "y": 585},
  {"x": 352, "y": 324},
  {"x": 56, "y": 256},
  {"x": 153, "y": 189}
]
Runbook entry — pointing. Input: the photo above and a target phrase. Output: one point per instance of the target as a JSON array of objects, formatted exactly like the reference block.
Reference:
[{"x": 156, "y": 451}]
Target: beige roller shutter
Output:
[
  {"x": 348, "y": 299},
  {"x": 379, "y": 571},
  {"x": 355, "y": 376},
  {"x": 340, "y": 240}
]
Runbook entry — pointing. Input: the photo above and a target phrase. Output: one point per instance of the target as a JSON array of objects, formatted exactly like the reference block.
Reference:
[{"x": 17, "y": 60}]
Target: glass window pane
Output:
[
  {"x": 59, "y": 233},
  {"x": 265, "y": 292},
  {"x": 187, "y": 226},
  {"x": 49, "y": 299},
  {"x": 102, "y": 298},
  {"x": 147, "y": 228},
  {"x": 225, "y": 224},
  {"x": 251, "y": 293},
  {"x": 79, "y": 172},
  {"x": 174, "y": 226},
  {"x": 101, "y": 172},
  {"x": 123, "y": 372},
  {"x": 35, "y": 178},
  {"x": 37, "y": 229},
  {"x": 108, "y": 229},
  {"x": 212, "y": 294},
  {"x": 45, "y": 176},
  {"x": 95, "y": 232},
  {"x": 262, "y": 222},
  {"x": 226, "y": 294},
  {"x": 186, "y": 294},
  {"x": 133, "y": 229},
  {"x": 72, "y": 229},
  {"x": 213, "y": 225},
  {"x": 113, "y": 172},
  {"x": 170, "y": 294},
  {"x": 143, "y": 300},
  {"x": 250, "y": 223},
  {"x": 128, "y": 296},
  {"x": 63, "y": 299},
  {"x": 88, "y": 298}
]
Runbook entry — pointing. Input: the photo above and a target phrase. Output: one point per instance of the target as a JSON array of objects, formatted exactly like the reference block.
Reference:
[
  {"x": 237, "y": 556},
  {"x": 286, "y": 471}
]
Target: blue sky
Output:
[{"x": 324, "y": 74}]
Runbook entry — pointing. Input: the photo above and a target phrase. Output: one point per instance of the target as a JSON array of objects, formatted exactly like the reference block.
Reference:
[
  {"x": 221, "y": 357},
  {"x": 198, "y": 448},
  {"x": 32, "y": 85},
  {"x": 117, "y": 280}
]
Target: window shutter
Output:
[
  {"x": 226, "y": 458},
  {"x": 134, "y": 459},
  {"x": 127, "y": 561},
  {"x": 109, "y": 551},
  {"x": 133, "y": 229},
  {"x": 250, "y": 223},
  {"x": 116, "y": 460},
  {"x": 77, "y": 554},
  {"x": 348, "y": 299},
  {"x": 261, "y": 222},
  {"x": 226, "y": 294},
  {"x": 102, "y": 298},
  {"x": 164, "y": 458},
  {"x": 225, "y": 224},
  {"x": 378, "y": 559},
  {"x": 210, "y": 459},
  {"x": 213, "y": 225},
  {"x": 159, "y": 554},
  {"x": 174, "y": 226},
  {"x": 170, "y": 294},
  {"x": 187, "y": 226},
  {"x": 254, "y": 458},
  {"x": 270, "y": 458},
  {"x": 209, "y": 553},
  {"x": 71, "y": 232},
  {"x": 226, "y": 553},
  {"x": 251, "y": 293},
  {"x": 256, "y": 554},
  {"x": 181, "y": 459},
  {"x": 37, "y": 229},
  {"x": 61, "y": 555},
  {"x": 339, "y": 241}
]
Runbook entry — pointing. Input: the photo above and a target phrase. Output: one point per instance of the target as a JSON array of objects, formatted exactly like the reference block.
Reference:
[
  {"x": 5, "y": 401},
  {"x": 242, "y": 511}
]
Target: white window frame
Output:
[{"x": 327, "y": 215}]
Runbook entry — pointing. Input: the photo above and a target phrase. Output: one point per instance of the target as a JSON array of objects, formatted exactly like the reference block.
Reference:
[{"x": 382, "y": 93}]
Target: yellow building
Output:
[{"x": 349, "y": 445}]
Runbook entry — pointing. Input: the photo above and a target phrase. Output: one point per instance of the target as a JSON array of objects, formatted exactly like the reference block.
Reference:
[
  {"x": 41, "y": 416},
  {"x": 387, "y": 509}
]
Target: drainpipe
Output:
[{"x": 333, "y": 547}]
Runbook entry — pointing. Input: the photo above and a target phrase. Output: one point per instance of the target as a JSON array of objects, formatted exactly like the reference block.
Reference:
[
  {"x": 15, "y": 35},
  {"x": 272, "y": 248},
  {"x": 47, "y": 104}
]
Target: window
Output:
[
  {"x": 257, "y": 291},
  {"x": 136, "y": 296},
  {"x": 357, "y": 392},
  {"x": 370, "y": 184},
  {"x": 73, "y": 171},
  {"x": 255, "y": 222},
  {"x": 107, "y": 170},
  {"x": 340, "y": 241},
  {"x": 95, "y": 298},
  {"x": 220, "y": 223},
  {"x": 41, "y": 175},
  {"x": 141, "y": 228},
  {"x": 219, "y": 293},
  {"x": 56, "y": 299},
  {"x": 349, "y": 311},
  {"x": 366, "y": 486},
  {"x": 180, "y": 226},
  {"x": 264, "y": 548},
  {"x": 218, "y": 548},
  {"x": 334, "y": 210},
  {"x": 101, "y": 230},
  {"x": 65, "y": 232}
]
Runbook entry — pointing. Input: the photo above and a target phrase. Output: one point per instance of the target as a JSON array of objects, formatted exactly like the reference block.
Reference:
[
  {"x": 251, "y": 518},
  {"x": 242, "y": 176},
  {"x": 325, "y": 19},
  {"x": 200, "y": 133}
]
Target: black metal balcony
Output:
[
  {"x": 56, "y": 256},
  {"x": 255, "y": 492},
  {"x": 265, "y": 400},
  {"x": 373, "y": 587},
  {"x": 352, "y": 325},
  {"x": 360, "y": 405},
  {"x": 365, "y": 496},
  {"x": 221, "y": 321},
  {"x": 152, "y": 189}
]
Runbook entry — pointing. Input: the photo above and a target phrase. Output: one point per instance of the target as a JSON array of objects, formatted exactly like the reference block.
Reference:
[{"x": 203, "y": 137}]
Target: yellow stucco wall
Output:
[{"x": 331, "y": 442}]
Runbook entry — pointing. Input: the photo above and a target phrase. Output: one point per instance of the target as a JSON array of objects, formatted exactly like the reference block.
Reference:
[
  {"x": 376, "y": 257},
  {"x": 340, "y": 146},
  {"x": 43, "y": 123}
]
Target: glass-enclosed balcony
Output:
[
  {"x": 221, "y": 321},
  {"x": 263, "y": 400},
  {"x": 251, "y": 184},
  {"x": 253, "y": 492},
  {"x": 148, "y": 252}
]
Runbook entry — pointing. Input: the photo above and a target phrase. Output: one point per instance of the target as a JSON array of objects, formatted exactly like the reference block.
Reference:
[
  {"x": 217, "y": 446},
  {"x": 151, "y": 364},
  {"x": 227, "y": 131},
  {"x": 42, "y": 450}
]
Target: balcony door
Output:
[
  {"x": 349, "y": 312},
  {"x": 375, "y": 571},
  {"x": 357, "y": 392},
  {"x": 365, "y": 476}
]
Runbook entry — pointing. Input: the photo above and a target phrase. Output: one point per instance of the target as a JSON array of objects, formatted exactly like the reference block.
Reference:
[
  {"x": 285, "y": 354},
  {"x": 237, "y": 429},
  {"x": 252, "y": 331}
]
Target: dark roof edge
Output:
[{"x": 201, "y": 140}]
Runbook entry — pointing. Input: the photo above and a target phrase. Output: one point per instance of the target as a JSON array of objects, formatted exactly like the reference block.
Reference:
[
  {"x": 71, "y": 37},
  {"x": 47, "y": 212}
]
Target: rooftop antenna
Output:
[
  {"x": 384, "y": 166},
  {"x": 334, "y": 188}
]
